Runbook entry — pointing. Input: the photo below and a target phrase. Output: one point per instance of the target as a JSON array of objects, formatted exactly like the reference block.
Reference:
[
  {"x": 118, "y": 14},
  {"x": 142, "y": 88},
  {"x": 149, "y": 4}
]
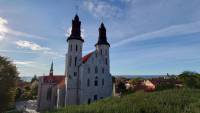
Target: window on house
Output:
[
  {"x": 96, "y": 69},
  {"x": 75, "y": 60},
  {"x": 49, "y": 93},
  {"x": 96, "y": 81},
  {"x": 95, "y": 97},
  {"x": 76, "y": 48},
  {"x": 102, "y": 82},
  {"x": 70, "y": 61},
  {"x": 102, "y": 70},
  {"x": 71, "y": 47},
  {"x": 96, "y": 54},
  {"x": 88, "y": 70},
  {"x": 75, "y": 73},
  {"x": 88, "y": 82},
  {"x": 89, "y": 101}
]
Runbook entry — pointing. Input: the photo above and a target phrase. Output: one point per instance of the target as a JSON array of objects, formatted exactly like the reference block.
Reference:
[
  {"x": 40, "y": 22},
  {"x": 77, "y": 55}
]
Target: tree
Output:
[
  {"x": 190, "y": 79},
  {"x": 8, "y": 79},
  {"x": 34, "y": 79}
]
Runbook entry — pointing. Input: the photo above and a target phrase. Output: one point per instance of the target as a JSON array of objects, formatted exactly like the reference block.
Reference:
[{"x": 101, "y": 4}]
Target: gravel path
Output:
[{"x": 29, "y": 106}]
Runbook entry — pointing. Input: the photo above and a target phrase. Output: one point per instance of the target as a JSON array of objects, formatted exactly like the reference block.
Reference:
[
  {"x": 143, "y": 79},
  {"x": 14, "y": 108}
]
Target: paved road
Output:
[{"x": 27, "y": 106}]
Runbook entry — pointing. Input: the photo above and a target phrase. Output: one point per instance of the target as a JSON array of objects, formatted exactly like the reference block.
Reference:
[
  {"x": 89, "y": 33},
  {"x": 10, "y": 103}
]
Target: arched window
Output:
[
  {"x": 96, "y": 81},
  {"x": 88, "y": 82},
  {"x": 76, "y": 48},
  {"x": 89, "y": 101},
  {"x": 102, "y": 70},
  {"x": 70, "y": 61},
  {"x": 96, "y": 54},
  {"x": 102, "y": 82},
  {"x": 49, "y": 93},
  {"x": 96, "y": 69},
  {"x": 88, "y": 69},
  {"x": 75, "y": 73},
  {"x": 75, "y": 61},
  {"x": 95, "y": 97},
  {"x": 106, "y": 60},
  {"x": 71, "y": 47}
]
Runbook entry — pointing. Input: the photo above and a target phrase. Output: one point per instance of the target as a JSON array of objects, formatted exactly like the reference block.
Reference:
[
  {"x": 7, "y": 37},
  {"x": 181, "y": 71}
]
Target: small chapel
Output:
[{"x": 86, "y": 79}]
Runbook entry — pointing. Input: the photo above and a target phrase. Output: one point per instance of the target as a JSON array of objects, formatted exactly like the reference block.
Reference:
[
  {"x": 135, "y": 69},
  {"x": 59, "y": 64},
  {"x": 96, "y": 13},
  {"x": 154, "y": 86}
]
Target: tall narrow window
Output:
[
  {"x": 101, "y": 52},
  {"x": 95, "y": 97},
  {"x": 88, "y": 69},
  {"x": 89, "y": 101},
  {"x": 96, "y": 54},
  {"x": 88, "y": 82},
  {"x": 49, "y": 93},
  {"x": 71, "y": 47},
  {"x": 102, "y": 70},
  {"x": 106, "y": 61},
  {"x": 75, "y": 61},
  {"x": 75, "y": 73},
  {"x": 96, "y": 81},
  {"x": 96, "y": 69},
  {"x": 70, "y": 61},
  {"x": 106, "y": 52},
  {"x": 102, "y": 82},
  {"x": 76, "y": 48}
]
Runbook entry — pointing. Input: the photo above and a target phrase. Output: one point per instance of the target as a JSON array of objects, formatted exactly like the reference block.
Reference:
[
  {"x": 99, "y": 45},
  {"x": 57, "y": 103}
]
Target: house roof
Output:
[
  {"x": 86, "y": 57},
  {"x": 61, "y": 84},
  {"x": 53, "y": 79}
]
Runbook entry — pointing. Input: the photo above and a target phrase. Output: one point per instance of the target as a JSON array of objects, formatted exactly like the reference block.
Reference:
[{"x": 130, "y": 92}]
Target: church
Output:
[{"x": 86, "y": 79}]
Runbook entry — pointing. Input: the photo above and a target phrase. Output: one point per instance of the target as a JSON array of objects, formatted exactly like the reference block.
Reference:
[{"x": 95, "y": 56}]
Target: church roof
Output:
[
  {"x": 86, "y": 57},
  {"x": 53, "y": 79},
  {"x": 61, "y": 84}
]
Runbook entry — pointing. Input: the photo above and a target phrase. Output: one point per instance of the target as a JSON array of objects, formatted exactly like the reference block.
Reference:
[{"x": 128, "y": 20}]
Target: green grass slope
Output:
[{"x": 168, "y": 101}]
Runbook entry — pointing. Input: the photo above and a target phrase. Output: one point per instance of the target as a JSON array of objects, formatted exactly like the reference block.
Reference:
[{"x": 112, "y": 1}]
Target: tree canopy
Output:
[{"x": 8, "y": 78}]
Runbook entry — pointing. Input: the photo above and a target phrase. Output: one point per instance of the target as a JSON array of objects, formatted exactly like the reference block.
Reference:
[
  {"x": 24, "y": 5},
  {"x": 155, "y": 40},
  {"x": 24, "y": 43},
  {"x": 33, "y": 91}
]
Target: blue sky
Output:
[{"x": 146, "y": 36}]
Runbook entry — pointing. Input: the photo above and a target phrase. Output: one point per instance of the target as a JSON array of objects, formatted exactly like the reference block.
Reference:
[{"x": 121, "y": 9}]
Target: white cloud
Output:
[
  {"x": 4, "y": 29},
  {"x": 23, "y": 62},
  {"x": 31, "y": 45},
  {"x": 173, "y": 30},
  {"x": 101, "y": 8}
]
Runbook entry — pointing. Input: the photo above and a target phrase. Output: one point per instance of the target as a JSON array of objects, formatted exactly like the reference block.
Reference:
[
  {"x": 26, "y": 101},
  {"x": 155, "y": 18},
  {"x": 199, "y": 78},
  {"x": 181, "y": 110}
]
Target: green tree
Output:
[
  {"x": 8, "y": 78},
  {"x": 34, "y": 79},
  {"x": 190, "y": 79}
]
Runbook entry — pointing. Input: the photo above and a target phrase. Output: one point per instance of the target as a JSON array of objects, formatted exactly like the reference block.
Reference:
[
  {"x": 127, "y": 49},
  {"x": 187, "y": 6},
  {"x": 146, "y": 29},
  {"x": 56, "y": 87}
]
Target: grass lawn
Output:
[{"x": 168, "y": 101}]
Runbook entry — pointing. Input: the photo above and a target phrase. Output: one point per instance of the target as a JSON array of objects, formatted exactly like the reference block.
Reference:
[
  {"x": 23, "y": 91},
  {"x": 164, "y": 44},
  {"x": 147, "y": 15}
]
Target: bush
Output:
[{"x": 167, "y": 101}]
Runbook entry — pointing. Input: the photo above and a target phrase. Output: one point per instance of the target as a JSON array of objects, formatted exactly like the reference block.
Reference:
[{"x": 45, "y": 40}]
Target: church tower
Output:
[
  {"x": 102, "y": 48},
  {"x": 74, "y": 60}
]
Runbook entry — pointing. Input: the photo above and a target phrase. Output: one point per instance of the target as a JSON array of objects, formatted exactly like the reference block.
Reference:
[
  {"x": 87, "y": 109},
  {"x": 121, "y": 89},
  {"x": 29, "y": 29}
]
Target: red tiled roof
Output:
[
  {"x": 53, "y": 79},
  {"x": 86, "y": 57},
  {"x": 61, "y": 84}
]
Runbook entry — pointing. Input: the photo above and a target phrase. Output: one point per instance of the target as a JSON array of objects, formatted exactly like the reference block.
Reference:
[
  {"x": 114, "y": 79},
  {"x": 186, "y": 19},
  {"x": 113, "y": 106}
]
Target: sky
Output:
[{"x": 147, "y": 37}]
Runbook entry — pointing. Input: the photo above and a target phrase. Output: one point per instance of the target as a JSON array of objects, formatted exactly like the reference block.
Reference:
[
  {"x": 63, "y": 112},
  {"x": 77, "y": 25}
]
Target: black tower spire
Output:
[
  {"x": 76, "y": 29},
  {"x": 51, "y": 70},
  {"x": 102, "y": 36}
]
